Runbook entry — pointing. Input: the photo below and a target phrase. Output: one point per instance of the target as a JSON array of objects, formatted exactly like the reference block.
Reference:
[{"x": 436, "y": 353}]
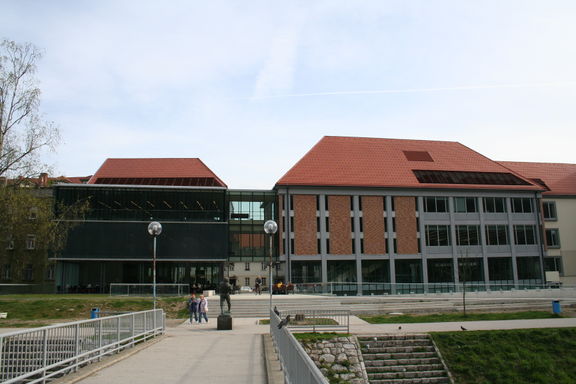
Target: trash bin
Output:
[
  {"x": 556, "y": 309},
  {"x": 94, "y": 313}
]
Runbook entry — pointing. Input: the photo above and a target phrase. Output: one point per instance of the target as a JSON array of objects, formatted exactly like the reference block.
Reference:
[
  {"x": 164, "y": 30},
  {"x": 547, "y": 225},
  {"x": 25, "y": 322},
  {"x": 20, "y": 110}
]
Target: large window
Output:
[
  {"x": 553, "y": 238},
  {"x": 438, "y": 235},
  {"x": 465, "y": 205},
  {"x": 524, "y": 235},
  {"x": 500, "y": 269},
  {"x": 521, "y": 205},
  {"x": 528, "y": 268},
  {"x": 494, "y": 205},
  {"x": 408, "y": 271},
  {"x": 496, "y": 235},
  {"x": 467, "y": 235},
  {"x": 342, "y": 271},
  {"x": 440, "y": 270},
  {"x": 306, "y": 272},
  {"x": 549, "y": 208},
  {"x": 435, "y": 204},
  {"x": 470, "y": 269},
  {"x": 376, "y": 271}
]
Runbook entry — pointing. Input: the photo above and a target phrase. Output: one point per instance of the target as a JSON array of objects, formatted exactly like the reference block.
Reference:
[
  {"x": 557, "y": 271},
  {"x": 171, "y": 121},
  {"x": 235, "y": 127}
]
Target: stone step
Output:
[
  {"x": 382, "y": 363},
  {"x": 396, "y": 356},
  {"x": 395, "y": 343},
  {"x": 408, "y": 375},
  {"x": 430, "y": 380},
  {"x": 394, "y": 336},
  {"x": 404, "y": 368},
  {"x": 398, "y": 349}
]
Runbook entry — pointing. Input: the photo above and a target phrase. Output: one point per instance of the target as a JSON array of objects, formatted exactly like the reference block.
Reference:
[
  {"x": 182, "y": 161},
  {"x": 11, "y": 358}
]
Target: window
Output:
[
  {"x": 247, "y": 281},
  {"x": 28, "y": 273},
  {"x": 524, "y": 234},
  {"x": 264, "y": 282},
  {"x": 50, "y": 272},
  {"x": 231, "y": 267},
  {"x": 465, "y": 204},
  {"x": 437, "y": 235},
  {"x": 494, "y": 205},
  {"x": 246, "y": 266},
  {"x": 33, "y": 213},
  {"x": 31, "y": 242},
  {"x": 467, "y": 235},
  {"x": 6, "y": 272},
  {"x": 435, "y": 204},
  {"x": 9, "y": 242},
  {"x": 553, "y": 238},
  {"x": 549, "y": 208},
  {"x": 496, "y": 235},
  {"x": 521, "y": 205}
]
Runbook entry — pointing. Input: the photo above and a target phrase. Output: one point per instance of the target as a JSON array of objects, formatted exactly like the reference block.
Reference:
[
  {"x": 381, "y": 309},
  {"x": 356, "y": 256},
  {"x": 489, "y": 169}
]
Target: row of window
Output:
[
  {"x": 27, "y": 273},
  {"x": 439, "y": 235},
  {"x": 30, "y": 242},
  {"x": 439, "y": 204},
  {"x": 263, "y": 266}
]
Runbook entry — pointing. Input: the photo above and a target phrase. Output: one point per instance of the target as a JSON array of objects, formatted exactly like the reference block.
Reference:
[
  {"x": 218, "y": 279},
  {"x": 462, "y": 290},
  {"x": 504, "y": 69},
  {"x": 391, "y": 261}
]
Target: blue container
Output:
[
  {"x": 95, "y": 313},
  {"x": 556, "y": 309}
]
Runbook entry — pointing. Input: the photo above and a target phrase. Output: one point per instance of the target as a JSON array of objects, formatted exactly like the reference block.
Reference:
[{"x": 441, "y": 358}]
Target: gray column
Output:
[
  {"x": 453, "y": 241},
  {"x": 511, "y": 241},
  {"x": 422, "y": 240},
  {"x": 323, "y": 236},
  {"x": 357, "y": 235},
  {"x": 391, "y": 243},
  {"x": 483, "y": 243}
]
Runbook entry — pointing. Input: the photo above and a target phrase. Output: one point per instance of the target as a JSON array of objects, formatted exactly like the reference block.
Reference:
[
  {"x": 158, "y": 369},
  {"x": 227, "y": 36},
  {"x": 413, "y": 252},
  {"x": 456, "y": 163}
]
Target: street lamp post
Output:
[
  {"x": 270, "y": 227},
  {"x": 154, "y": 229}
]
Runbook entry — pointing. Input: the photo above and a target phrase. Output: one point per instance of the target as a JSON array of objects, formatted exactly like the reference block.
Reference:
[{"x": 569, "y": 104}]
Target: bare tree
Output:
[{"x": 23, "y": 131}]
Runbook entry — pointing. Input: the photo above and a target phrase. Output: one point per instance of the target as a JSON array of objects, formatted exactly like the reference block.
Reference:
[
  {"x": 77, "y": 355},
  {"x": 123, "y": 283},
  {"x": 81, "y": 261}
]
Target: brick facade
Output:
[
  {"x": 340, "y": 225},
  {"x": 305, "y": 240},
  {"x": 373, "y": 218},
  {"x": 406, "y": 231},
  {"x": 281, "y": 219}
]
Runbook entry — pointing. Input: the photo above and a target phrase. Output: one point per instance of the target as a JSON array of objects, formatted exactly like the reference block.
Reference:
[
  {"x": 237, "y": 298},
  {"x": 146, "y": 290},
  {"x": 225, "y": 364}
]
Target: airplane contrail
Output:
[{"x": 419, "y": 90}]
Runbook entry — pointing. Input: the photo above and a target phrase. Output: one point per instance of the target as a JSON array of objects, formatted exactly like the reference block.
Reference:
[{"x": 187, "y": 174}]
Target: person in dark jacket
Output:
[{"x": 193, "y": 308}]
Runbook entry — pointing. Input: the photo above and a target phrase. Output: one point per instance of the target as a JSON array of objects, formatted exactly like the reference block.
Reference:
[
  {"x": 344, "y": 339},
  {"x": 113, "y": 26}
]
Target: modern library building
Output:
[{"x": 355, "y": 216}]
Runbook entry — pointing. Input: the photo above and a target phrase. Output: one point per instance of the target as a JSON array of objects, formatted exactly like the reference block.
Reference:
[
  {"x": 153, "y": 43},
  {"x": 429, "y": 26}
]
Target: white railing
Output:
[
  {"x": 146, "y": 289},
  {"x": 40, "y": 354},
  {"x": 297, "y": 366}
]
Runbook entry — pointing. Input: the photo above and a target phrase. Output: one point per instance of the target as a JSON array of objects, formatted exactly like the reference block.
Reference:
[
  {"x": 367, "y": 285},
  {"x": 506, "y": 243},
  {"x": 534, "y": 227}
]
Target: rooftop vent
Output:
[
  {"x": 459, "y": 177},
  {"x": 418, "y": 156}
]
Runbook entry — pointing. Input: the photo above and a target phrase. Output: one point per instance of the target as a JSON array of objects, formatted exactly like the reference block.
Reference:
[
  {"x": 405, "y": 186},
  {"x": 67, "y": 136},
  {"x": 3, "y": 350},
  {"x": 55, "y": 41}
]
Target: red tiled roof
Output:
[
  {"x": 164, "y": 171},
  {"x": 559, "y": 178},
  {"x": 373, "y": 162}
]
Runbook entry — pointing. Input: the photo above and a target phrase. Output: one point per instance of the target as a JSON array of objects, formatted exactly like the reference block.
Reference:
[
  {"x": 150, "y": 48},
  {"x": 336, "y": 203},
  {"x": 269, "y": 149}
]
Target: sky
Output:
[{"x": 250, "y": 86}]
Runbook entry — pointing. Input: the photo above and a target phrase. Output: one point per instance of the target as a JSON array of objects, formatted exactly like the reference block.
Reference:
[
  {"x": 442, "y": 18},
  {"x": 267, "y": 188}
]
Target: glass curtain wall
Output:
[
  {"x": 440, "y": 275},
  {"x": 248, "y": 211},
  {"x": 409, "y": 276},
  {"x": 376, "y": 277},
  {"x": 500, "y": 273}
]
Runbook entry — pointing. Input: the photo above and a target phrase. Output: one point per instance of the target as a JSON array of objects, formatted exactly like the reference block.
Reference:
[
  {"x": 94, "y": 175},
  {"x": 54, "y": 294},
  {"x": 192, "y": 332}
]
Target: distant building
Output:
[
  {"x": 373, "y": 215},
  {"x": 208, "y": 233},
  {"x": 558, "y": 211}
]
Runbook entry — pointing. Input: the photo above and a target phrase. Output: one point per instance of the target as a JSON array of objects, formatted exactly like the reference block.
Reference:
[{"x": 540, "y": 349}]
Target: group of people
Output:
[{"x": 198, "y": 308}]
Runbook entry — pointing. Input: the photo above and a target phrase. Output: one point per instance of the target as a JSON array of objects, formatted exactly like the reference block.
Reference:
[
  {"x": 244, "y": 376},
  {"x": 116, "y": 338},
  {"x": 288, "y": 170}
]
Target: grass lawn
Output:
[
  {"x": 448, "y": 317},
  {"x": 40, "y": 310},
  {"x": 529, "y": 356}
]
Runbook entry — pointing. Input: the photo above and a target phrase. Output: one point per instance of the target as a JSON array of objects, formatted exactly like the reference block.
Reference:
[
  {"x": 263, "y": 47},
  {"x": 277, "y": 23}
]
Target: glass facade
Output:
[
  {"x": 248, "y": 211},
  {"x": 306, "y": 272},
  {"x": 376, "y": 271}
]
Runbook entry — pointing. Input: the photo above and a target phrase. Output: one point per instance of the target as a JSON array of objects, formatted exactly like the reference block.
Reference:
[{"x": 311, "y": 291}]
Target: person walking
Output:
[
  {"x": 203, "y": 309},
  {"x": 193, "y": 308},
  {"x": 258, "y": 287}
]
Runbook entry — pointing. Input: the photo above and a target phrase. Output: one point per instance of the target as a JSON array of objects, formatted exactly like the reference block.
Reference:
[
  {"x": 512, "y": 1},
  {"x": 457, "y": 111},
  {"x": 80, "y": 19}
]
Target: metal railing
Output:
[
  {"x": 314, "y": 320},
  {"x": 40, "y": 354},
  {"x": 297, "y": 366},
  {"x": 368, "y": 289},
  {"x": 146, "y": 289}
]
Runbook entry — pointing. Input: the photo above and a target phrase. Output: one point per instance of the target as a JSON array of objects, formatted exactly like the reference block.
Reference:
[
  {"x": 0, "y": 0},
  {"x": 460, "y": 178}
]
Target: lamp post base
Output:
[{"x": 224, "y": 323}]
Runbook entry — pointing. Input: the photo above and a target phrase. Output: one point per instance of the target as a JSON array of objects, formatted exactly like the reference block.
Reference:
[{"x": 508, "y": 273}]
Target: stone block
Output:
[{"x": 224, "y": 323}]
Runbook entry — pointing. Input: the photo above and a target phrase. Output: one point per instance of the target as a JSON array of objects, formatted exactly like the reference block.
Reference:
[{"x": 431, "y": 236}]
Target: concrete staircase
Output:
[
  {"x": 250, "y": 305},
  {"x": 402, "y": 359}
]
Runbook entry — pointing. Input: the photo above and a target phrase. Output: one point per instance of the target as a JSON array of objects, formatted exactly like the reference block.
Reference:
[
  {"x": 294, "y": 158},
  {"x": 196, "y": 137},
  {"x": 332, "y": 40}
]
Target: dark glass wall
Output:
[
  {"x": 130, "y": 240},
  {"x": 248, "y": 211},
  {"x": 146, "y": 204}
]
